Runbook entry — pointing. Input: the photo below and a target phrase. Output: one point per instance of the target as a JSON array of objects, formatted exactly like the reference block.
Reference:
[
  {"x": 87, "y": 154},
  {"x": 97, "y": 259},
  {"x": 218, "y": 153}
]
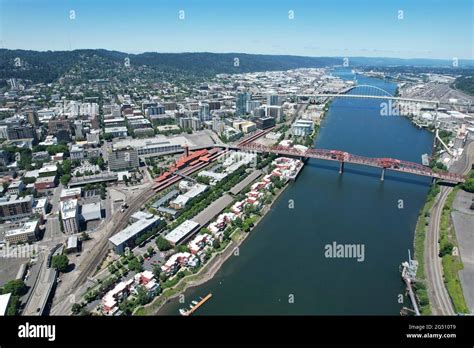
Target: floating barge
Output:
[{"x": 194, "y": 306}]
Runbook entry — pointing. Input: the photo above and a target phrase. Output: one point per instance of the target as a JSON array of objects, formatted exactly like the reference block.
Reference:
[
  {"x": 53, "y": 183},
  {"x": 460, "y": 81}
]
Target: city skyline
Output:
[{"x": 425, "y": 29}]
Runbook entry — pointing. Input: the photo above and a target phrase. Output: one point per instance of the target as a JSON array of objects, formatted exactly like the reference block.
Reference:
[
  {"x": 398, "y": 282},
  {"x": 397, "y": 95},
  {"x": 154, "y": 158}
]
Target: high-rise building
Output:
[
  {"x": 273, "y": 99},
  {"x": 78, "y": 129},
  {"x": 251, "y": 106},
  {"x": 193, "y": 123},
  {"x": 204, "y": 114},
  {"x": 274, "y": 111},
  {"x": 214, "y": 105},
  {"x": 241, "y": 103},
  {"x": 123, "y": 158},
  {"x": 218, "y": 125}
]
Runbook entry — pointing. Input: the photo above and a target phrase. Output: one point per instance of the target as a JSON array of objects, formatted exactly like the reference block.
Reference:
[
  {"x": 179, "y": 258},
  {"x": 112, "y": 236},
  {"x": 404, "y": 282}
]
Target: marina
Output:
[{"x": 194, "y": 305}]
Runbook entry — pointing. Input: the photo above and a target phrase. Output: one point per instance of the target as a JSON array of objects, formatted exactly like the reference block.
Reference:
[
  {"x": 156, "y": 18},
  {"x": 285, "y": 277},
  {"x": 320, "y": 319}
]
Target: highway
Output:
[
  {"x": 42, "y": 288},
  {"x": 438, "y": 295}
]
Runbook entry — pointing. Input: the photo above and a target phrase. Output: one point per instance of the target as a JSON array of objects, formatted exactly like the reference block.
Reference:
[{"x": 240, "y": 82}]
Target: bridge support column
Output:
[
  {"x": 341, "y": 167},
  {"x": 433, "y": 181},
  {"x": 382, "y": 177}
]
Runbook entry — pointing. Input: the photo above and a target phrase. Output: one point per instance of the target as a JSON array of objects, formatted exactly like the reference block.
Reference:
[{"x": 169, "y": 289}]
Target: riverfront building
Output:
[
  {"x": 182, "y": 232},
  {"x": 127, "y": 237},
  {"x": 123, "y": 289},
  {"x": 178, "y": 260},
  {"x": 302, "y": 128}
]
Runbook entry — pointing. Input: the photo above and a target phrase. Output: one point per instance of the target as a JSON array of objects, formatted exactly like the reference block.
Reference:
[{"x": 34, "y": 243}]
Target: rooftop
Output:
[
  {"x": 15, "y": 199},
  {"x": 72, "y": 242},
  {"x": 181, "y": 231},
  {"x": 27, "y": 227},
  {"x": 157, "y": 141},
  {"x": 132, "y": 230},
  {"x": 71, "y": 192},
  {"x": 91, "y": 211},
  {"x": 69, "y": 209}
]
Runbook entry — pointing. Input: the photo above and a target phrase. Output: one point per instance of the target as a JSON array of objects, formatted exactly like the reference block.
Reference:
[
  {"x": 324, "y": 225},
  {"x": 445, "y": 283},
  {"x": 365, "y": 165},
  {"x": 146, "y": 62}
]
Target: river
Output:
[{"x": 281, "y": 267}]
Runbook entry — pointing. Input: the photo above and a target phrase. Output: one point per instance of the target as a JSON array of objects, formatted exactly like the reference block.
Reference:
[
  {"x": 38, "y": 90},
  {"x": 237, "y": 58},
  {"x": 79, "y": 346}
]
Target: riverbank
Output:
[
  {"x": 209, "y": 270},
  {"x": 419, "y": 246},
  {"x": 450, "y": 259}
]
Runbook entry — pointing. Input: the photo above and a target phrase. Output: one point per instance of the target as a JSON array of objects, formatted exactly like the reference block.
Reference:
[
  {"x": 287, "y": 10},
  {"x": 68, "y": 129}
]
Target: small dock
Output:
[
  {"x": 195, "y": 307},
  {"x": 409, "y": 275}
]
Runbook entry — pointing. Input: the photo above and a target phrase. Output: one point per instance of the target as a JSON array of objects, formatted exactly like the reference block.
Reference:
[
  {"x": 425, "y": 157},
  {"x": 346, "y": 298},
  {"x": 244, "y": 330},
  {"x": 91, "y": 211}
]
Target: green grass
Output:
[
  {"x": 451, "y": 264},
  {"x": 451, "y": 267},
  {"x": 419, "y": 246}
]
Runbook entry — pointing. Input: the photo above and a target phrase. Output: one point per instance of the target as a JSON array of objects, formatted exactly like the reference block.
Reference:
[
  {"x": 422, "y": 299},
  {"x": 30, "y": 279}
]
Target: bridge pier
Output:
[
  {"x": 341, "y": 167},
  {"x": 433, "y": 181},
  {"x": 382, "y": 177}
]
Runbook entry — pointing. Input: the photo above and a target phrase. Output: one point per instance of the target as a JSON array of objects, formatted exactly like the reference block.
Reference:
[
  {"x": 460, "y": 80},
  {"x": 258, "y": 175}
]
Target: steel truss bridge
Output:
[
  {"x": 345, "y": 157},
  {"x": 374, "y": 92}
]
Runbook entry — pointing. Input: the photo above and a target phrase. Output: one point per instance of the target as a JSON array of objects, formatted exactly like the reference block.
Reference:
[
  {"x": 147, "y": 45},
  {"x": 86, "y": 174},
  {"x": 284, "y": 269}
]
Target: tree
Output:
[
  {"x": 27, "y": 181},
  {"x": 101, "y": 163},
  {"x": 15, "y": 287},
  {"x": 66, "y": 166},
  {"x": 216, "y": 244},
  {"x": 150, "y": 250},
  {"x": 163, "y": 277},
  {"x": 76, "y": 308},
  {"x": 135, "y": 265},
  {"x": 182, "y": 248},
  {"x": 142, "y": 295},
  {"x": 60, "y": 262},
  {"x": 65, "y": 179},
  {"x": 469, "y": 185},
  {"x": 156, "y": 271},
  {"x": 85, "y": 236},
  {"x": 238, "y": 222},
  {"x": 163, "y": 244}
]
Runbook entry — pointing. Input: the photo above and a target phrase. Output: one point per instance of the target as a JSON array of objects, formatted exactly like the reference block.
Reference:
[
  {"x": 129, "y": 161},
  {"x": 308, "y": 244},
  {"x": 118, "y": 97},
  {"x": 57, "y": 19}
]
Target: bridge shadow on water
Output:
[{"x": 397, "y": 178}]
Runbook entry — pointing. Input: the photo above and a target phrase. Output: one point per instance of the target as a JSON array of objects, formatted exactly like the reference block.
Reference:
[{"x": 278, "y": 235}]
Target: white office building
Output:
[
  {"x": 302, "y": 128},
  {"x": 70, "y": 216}
]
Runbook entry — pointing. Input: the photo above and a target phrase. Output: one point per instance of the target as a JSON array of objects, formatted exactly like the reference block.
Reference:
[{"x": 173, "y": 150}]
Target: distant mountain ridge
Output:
[{"x": 47, "y": 66}]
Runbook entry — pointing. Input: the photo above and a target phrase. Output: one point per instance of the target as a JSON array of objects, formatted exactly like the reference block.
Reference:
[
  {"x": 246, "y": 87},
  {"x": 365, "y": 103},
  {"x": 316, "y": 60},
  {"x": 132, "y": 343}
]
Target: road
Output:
[
  {"x": 42, "y": 287},
  {"x": 438, "y": 295}
]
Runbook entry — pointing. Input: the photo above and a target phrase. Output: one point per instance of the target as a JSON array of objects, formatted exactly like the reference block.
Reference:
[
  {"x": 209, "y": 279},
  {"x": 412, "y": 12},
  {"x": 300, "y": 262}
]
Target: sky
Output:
[{"x": 371, "y": 28}]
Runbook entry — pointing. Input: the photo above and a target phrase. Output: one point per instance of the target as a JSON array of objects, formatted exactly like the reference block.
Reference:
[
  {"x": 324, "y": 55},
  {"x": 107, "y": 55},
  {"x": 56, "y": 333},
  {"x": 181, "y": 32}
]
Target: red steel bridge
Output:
[{"x": 345, "y": 157}]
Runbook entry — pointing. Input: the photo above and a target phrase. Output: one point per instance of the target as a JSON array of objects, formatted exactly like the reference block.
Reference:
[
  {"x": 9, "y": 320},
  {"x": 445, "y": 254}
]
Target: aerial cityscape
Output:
[{"x": 325, "y": 169}]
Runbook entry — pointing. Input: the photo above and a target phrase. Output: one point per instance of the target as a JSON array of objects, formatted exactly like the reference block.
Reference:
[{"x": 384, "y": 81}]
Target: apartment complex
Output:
[{"x": 14, "y": 207}]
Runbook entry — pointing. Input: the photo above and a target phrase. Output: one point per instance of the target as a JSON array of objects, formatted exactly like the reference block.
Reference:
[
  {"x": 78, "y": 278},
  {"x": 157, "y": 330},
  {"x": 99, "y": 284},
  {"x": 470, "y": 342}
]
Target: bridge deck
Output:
[{"x": 345, "y": 157}]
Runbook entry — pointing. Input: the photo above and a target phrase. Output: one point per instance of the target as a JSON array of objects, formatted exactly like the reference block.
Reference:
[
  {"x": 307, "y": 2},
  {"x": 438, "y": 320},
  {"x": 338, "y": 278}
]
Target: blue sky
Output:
[{"x": 429, "y": 28}]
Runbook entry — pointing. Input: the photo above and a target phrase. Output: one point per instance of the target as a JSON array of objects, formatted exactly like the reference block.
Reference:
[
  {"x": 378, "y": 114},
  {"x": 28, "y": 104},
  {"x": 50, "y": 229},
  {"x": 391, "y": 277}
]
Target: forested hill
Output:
[{"x": 47, "y": 66}]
